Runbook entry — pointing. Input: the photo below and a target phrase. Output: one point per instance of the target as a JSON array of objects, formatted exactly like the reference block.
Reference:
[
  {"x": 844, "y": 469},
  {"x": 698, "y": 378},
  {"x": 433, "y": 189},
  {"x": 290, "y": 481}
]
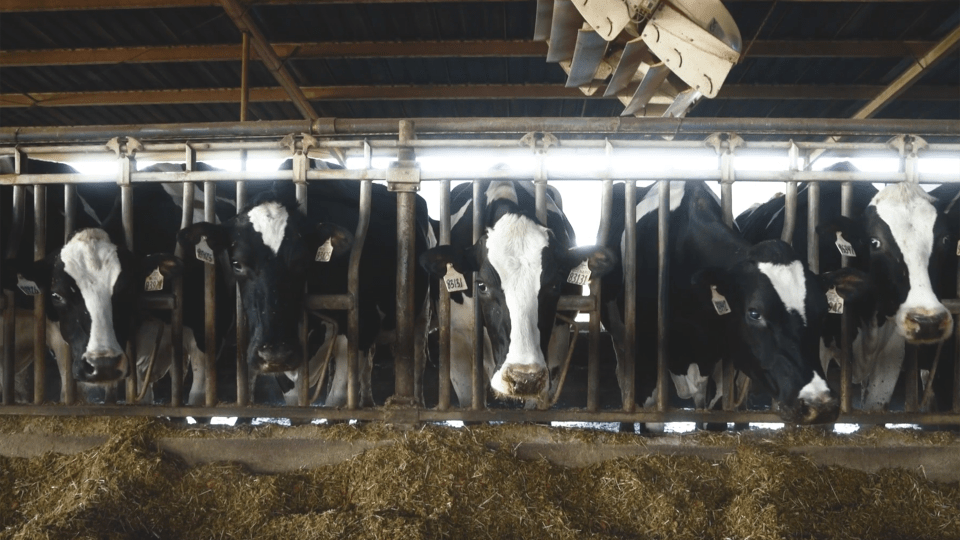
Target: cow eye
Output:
[
  {"x": 754, "y": 314},
  {"x": 57, "y": 298},
  {"x": 237, "y": 266},
  {"x": 875, "y": 243},
  {"x": 481, "y": 286}
]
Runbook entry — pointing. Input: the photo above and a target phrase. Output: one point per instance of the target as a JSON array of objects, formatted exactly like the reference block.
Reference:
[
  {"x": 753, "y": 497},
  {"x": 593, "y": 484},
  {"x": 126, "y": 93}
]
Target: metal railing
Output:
[{"x": 397, "y": 138}]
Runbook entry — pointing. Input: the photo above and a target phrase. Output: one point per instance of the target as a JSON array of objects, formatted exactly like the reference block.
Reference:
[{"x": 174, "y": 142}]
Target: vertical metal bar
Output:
[
  {"x": 19, "y": 218},
  {"x": 128, "y": 164},
  {"x": 301, "y": 162},
  {"x": 630, "y": 295},
  {"x": 813, "y": 221},
  {"x": 406, "y": 255},
  {"x": 540, "y": 187},
  {"x": 956, "y": 349},
  {"x": 69, "y": 210},
  {"x": 911, "y": 378},
  {"x": 39, "y": 304},
  {"x": 176, "y": 318},
  {"x": 663, "y": 287},
  {"x": 443, "y": 310},
  {"x": 790, "y": 207},
  {"x": 726, "y": 205},
  {"x": 243, "y": 375},
  {"x": 9, "y": 347},
  {"x": 210, "y": 300},
  {"x": 846, "y": 371},
  {"x": 477, "y": 377},
  {"x": 353, "y": 283},
  {"x": 593, "y": 352}
]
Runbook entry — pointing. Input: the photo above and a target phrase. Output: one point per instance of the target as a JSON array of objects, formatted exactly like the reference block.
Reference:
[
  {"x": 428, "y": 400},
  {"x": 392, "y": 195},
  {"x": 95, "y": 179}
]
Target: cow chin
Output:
[{"x": 804, "y": 413}]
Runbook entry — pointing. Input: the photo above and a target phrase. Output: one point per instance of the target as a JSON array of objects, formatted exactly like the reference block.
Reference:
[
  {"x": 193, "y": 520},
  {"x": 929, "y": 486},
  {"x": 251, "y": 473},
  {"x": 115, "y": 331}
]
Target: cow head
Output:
[
  {"x": 772, "y": 331},
  {"x": 271, "y": 248},
  {"x": 906, "y": 239},
  {"x": 521, "y": 273},
  {"x": 93, "y": 288}
]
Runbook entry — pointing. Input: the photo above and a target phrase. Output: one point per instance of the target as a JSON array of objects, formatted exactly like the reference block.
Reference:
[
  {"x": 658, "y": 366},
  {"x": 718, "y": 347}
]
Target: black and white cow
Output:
[
  {"x": 273, "y": 251},
  {"x": 522, "y": 268},
  {"x": 757, "y": 305},
  {"x": 900, "y": 239}
]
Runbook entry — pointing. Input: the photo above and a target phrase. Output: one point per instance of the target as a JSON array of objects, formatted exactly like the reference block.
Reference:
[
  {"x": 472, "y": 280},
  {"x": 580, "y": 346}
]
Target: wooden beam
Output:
[
  {"x": 421, "y": 49},
  {"x": 509, "y": 91},
  {"x": 9, "y": 6}
]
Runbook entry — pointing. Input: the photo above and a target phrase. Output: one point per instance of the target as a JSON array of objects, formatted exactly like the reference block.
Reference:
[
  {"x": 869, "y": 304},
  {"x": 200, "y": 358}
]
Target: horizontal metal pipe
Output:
[
  {"x": 328, "y": 301},
  {"x": 350, "y": 126},
  {"x": 412, "y": 415}
]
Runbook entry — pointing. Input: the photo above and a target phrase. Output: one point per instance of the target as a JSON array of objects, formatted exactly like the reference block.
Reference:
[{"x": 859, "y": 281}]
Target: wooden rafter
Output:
[
  {"x": 526, "y": 91},
  {"x": 420, "y": 49}
]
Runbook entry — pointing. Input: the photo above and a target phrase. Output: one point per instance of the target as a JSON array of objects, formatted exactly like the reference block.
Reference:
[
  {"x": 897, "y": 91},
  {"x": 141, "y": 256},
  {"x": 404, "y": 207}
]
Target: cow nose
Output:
[
  {"x": 525, "y": 380},
  {"x": 928, "y": 327},
  {"x": 275, "y": 358},
  {"x": 819, "y": 413},
  {"x": 100, "y": 368}
]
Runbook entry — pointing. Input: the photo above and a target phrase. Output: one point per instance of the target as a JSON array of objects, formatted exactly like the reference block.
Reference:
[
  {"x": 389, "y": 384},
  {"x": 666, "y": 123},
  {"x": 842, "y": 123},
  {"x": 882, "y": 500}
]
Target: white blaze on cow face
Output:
[
  {"x": 90, "y": 258},
  {"x": 909, "y": 214},
  {"x": 515, "y": 250},
  {"x": 270, "y": 220},
  {"x": 788, "y": 280}
]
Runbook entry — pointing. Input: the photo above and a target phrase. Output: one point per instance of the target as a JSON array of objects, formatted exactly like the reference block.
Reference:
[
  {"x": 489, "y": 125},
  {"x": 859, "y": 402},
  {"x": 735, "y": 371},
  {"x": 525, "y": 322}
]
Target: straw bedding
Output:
[{"x": 439, "y": 482}]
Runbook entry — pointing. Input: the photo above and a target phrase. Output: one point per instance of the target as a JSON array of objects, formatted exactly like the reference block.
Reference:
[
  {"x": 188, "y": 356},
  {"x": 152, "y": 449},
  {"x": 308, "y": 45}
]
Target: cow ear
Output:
[
  {"x": 170, "y": 266},
  {"x": 852, "y": 232},
  {"x": 39, "y": 272},
  {"x": 435, "y": 260},
  {"x": 216, "y": 236},
  {"x": 599, "y": 259},
  {"x": 851, "y": 284},
  {"x": 341, "y": 240},
  {"x": 705, "y": 280}
]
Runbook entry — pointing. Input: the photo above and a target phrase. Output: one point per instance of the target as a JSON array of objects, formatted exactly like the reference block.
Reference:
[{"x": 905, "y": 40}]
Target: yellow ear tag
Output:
[
  {"x": 845, "y": 248},
  {"x": 579, "y": 275},
  {"x": 154, "y": 281},
  {"x": 834, "y": 301},
  {"x": 720, "y": 304},
  {"x": 454, "y": 280},
  {"x": 203, "y": 251}
]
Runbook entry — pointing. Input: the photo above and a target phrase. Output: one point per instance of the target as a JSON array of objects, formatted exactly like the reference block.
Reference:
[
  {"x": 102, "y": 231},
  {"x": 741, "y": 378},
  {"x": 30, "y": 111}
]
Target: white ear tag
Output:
[
  {"x": 27, "y": 287},
  {"x": 720, "y": 304},
  {"x": 204, "y": 253},
  {"x": 845, "y": 248},
  {"x": 324, "y": 252},
  {"x": 154, "y": 281},
  {"x": 579, "y": 275},
  {"x": 834, "y": 301},
  {"x": 454, "y": 280}
]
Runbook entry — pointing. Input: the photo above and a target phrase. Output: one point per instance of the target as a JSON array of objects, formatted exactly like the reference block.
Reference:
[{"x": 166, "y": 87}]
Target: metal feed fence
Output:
[{"x": 538, "y": 137}]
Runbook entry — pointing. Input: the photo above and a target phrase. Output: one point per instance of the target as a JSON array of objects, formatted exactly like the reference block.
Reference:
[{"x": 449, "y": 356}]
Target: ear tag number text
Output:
[
  {"x": 204, "y": 253},
  {"x": 324, "y": 252},
  {"x": 27, "y": 287},
  {"x": 845, "y": 248},
  {"x": 154, "y": 281},
  {"x": 834, "y": 301},
  {"x": 454, "y": 280},
  {"x": 579, "y": 275}
]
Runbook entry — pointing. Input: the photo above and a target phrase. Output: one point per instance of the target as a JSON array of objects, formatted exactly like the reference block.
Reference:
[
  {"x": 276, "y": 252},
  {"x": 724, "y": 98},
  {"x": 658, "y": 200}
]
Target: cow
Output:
[
  {"x": 522, "y": 270},
  {"x": 757, "y": 305},
  {"x": 275, "y": 252},
  {"x": 900, "y": 239}
]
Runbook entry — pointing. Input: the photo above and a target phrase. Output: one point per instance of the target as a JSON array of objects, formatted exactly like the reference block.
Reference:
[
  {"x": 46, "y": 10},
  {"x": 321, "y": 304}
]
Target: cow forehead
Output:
[
  {"x": 910, "y": 215},
  {"x": 515, "y": 247},
  {"x": 90, "y": 258},
  {"x": 789, "y": 282},
  {"x": 270, "y": 220}
]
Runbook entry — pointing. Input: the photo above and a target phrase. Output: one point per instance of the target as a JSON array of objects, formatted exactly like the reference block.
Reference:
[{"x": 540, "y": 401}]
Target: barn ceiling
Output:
[{"x": 84, "y": 62}]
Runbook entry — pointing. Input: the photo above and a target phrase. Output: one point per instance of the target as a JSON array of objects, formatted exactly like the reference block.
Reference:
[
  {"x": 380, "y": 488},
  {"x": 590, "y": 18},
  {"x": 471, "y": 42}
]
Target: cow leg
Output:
[
  {"x": 366, "y": 376},
  {"x": 421, "y": 349},
  {"x": 614, "y": 325},
  {"x": 197, "y": 360}
]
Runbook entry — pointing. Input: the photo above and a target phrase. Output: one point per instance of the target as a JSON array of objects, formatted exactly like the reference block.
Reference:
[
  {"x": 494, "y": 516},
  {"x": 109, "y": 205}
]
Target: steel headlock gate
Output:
[{"x": 369, "y": 138}]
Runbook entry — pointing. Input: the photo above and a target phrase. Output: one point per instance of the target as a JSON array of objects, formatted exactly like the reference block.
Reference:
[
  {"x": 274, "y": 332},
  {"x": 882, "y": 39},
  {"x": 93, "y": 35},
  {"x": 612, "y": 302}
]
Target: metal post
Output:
[
  {"x": 210, "y": 300},
  {"x": 353, "y": 284},
  {"x": 790, "y": 206},
  {"x": 846, "y": 371},
  {"x": 477, "y": 377},
  {"x": 69, "y": 210},
  {"x": 663, "y": 287},
  {"x": 540, "y": 187},
  {"x": 176, "y": 318},
  {"x": 406, "y": 228},
  {"x": 301, "y": 163},
  {"x": 443, "y": 310},
  {"x": 727, "y": 177},
  {"x": 813, "y": 221},
  {"x": 39, "y": 304},
  {"x": 128, "y": 164},
  {"x": 629, "y": 295},
  {"x": 9, "y": 347},
  {"x": 593, "y": 354},
  {"x": 243, "y": 375}
]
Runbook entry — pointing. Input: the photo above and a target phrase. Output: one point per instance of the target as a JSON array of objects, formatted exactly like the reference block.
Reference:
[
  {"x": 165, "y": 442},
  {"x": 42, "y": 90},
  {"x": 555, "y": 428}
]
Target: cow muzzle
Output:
[
  {"x": 520, "y": 381},
  {"x": 922, "y": 326},
  {"x": 101, "y": 367},
  {"x": 275, "y": 358}
]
